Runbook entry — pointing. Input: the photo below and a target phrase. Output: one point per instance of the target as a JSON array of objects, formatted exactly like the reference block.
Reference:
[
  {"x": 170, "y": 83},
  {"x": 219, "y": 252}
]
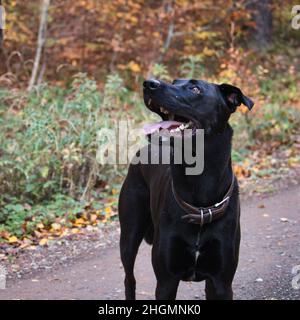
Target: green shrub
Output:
[
  {"x": 271, "y": 123},
  {"x": 48, "y": 145}
]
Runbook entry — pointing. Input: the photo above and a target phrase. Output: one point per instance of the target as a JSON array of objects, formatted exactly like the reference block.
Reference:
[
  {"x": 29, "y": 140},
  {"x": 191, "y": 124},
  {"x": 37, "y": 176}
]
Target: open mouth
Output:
[{"x": 171, "y": 123}]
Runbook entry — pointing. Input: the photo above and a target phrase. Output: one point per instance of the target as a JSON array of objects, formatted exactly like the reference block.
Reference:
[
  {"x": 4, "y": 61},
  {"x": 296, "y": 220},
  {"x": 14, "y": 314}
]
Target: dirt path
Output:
[{"x": 270, "y": 248}]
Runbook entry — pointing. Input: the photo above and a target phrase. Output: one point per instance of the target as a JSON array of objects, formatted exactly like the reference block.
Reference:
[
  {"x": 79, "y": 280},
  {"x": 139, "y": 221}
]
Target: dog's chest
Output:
[
  {"x": 192, "y": 258},
  {"x": 192, "y": 274}
]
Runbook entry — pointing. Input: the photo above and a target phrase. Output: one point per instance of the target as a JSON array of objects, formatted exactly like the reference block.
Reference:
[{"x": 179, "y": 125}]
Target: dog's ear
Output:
[{"x": 234, "y": 97}]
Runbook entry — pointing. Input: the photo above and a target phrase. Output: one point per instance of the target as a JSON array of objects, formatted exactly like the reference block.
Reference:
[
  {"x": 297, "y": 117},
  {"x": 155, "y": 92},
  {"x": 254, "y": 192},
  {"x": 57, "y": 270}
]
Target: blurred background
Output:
[{"x": 70, "y": 68}]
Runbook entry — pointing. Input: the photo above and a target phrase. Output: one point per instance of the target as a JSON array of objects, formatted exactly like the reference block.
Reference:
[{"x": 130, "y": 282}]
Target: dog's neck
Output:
[{"x": 211, "y": 185}]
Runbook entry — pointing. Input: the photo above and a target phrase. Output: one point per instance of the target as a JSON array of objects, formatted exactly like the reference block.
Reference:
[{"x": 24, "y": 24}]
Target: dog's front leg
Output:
[
  {"x": 167, "y": 284},
  {"x": 166, "y": 288},
  {"x": 218, "y": 289}
]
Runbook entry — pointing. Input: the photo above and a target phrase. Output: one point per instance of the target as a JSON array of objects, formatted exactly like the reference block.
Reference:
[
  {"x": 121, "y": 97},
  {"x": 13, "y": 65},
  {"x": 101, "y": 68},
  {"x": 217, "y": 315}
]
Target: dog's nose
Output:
[{"x": 151, "y": 84}]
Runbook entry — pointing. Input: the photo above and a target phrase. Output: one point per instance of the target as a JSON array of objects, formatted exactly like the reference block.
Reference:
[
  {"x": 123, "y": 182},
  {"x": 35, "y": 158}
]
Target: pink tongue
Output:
[{"x": 152, "y": 127}]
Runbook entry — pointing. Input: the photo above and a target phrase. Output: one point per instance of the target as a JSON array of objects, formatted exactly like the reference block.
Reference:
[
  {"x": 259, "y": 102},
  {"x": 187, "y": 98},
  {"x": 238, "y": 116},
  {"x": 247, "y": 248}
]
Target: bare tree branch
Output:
[{"x": 40, "y": 43}]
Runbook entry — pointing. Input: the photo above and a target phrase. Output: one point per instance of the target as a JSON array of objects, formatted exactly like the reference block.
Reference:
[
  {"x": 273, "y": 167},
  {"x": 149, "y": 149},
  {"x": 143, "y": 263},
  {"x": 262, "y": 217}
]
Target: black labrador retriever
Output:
[{"x": 192, "y": 221}]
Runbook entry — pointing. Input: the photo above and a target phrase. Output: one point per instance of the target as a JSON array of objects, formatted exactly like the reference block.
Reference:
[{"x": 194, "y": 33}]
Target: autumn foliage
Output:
[
  {"x": 94, "y": 58},
  {"x": 130, "y": 36}
]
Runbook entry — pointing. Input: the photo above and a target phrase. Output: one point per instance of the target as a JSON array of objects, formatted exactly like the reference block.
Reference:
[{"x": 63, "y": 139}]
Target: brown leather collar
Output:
[{"x": 203, "y": 215}]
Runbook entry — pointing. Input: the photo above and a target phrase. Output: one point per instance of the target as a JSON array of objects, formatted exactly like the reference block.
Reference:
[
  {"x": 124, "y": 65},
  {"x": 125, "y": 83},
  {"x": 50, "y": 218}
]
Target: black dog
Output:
[{"x": 191, "y": 220}]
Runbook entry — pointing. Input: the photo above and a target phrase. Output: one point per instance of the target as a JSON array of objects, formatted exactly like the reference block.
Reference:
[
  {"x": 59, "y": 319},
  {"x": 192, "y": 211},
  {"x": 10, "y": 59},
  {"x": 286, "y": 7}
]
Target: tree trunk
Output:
[
  {"x": 40, "y": 43},
  {"x": 1, "y": 26},
  {"x": 262, "y": 15}
]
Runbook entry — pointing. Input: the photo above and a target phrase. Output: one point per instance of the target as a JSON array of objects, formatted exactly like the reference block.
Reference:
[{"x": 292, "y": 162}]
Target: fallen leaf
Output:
[
  {"x": 79, "y": 222},
  {"x": 31, "y": 248},
  {"x": 75, "y": 230},
  {"x": 4, "y": 234},
  {"x": 114, "y": 191},
  {"x": 12, "y": 239},
  {"x": 56, "y": 226},
  {"x": 134, "y": 67},
  {"x": 26, "y": 243},
  {"x": 40, "y": 226},
  {"x": 43, "y": 242},
  {"x": 93, "y": 217},
  {"x": 107, "y": 210}
]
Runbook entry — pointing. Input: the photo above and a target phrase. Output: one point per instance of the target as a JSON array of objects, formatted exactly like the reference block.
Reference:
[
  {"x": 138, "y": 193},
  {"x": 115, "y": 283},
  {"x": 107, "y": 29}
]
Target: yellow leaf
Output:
[
  {"x": 208, "y": 52},
  {"x": 43, "y": 242},
  {"x": 64, "y": 233},
  {"x": 75, "y": 230},
  {"x": 134, "y": 67},
  {"x": 79, "y": 222},
  {"x": 56, "y": 226},
  {"x": 40, "y": 226},
  {"x": 114, "y": 191},
  {"x": 107, "y": 210},
  {"x": 134, "y": 20},
  {"x": 12, "y": 239}
]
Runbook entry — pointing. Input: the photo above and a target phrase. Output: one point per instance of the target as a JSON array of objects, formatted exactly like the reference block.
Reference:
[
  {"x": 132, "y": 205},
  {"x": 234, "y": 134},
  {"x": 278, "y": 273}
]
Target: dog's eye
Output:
[{"x": 196, "y": 90}]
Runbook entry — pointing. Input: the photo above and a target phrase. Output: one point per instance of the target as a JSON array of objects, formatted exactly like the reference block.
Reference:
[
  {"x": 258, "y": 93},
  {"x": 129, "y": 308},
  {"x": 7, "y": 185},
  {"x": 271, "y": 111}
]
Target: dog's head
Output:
[{"x": 192, "y": 104}]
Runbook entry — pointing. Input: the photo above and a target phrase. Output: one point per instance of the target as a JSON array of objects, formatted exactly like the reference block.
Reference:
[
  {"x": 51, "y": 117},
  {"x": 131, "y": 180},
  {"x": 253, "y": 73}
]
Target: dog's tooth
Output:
[
  {"x": 182, "y": 127},
  {"x": 189, "y": 124},
  {"x": 177, "y": 129},
  {"x": 163, "y": 110},
  {"x": 172, "y": 130}
]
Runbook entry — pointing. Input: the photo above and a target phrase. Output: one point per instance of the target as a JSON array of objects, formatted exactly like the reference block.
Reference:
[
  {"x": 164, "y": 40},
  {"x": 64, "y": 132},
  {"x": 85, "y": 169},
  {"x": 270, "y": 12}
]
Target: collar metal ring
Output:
[
  {"x": 210, "y": 215},
  {"x": 202, "y": 218}
]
